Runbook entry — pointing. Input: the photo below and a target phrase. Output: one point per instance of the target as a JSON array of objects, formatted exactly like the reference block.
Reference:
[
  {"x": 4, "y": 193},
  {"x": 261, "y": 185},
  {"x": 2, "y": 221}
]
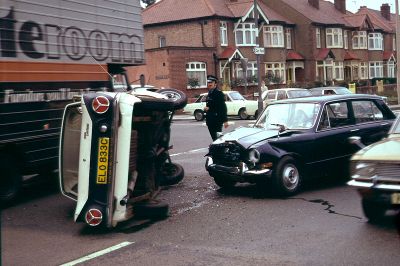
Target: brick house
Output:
[{"x": 306, "y": 42}]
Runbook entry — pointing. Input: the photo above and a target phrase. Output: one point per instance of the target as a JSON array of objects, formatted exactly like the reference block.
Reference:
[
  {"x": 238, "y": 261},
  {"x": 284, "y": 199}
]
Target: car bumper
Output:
[
  {"x": 240, "y": 173},
  {"x": 360, "y": 184}
]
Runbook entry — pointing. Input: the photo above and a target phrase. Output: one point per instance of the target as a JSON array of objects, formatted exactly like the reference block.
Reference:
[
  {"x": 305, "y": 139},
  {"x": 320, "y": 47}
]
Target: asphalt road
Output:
[{"x": 323, "y": 225}]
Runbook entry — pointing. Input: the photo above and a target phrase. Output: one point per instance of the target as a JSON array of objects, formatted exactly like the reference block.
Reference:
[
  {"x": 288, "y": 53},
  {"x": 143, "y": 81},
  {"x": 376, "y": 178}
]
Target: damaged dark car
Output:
[{"x": 297, "y": 139}]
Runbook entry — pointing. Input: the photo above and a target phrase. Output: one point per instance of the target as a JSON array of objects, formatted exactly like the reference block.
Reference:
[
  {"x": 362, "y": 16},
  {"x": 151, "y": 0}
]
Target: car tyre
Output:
[
  {"x": 243, "y": 114},
  {"x": 373, "y": 210},
  {"x": 286, "y": 177},
  {"x": 178, "y": 97},
  {"x": 171, "y": 174},
  {"x": 198, "y": 115},
  {"x": 11, "y": 180},
  {"x": 224, "y": 182}
]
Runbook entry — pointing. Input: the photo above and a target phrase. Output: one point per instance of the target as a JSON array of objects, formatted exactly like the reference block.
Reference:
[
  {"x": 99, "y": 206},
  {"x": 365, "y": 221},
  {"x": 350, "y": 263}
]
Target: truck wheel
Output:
[
  {"x": 374, "y": 211},
  {"x": 178, "y": 97},
  {"x": 243, "y": 114},
  {"x": 286, "y": 177},
  {"x": 10, "y": 180},
  {"x": 171, "y": 174},
  {"x": 224, "y": 182},
  {"x": 198, "y": 115}
]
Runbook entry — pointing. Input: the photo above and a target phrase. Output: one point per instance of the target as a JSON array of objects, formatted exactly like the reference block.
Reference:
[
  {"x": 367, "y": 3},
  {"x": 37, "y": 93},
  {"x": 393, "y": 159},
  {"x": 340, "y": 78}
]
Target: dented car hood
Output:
[{"x": 247, "y": 136}]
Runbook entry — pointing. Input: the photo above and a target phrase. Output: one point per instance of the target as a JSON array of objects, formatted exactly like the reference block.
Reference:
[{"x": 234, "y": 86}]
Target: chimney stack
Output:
[
  {"x": 385, "y": 11},
  {"x": 341, "y": 6},
  {"x": 314, "y": 3}
]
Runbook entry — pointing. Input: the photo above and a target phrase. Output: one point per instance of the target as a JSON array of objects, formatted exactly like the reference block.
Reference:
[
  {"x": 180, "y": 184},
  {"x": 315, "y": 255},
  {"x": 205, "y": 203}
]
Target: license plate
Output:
[
  {"x": 395, "y": 198},
  {"x": 102, "y": 160}
]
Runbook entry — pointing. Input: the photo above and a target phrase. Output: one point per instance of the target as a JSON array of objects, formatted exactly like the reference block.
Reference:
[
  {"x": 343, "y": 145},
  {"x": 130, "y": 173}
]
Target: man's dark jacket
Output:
[{"x": 217, "y": 112}]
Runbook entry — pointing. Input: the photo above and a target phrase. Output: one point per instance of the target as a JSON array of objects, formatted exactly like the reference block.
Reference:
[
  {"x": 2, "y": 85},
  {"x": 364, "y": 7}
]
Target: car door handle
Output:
[{"x": 354, "y": 130}]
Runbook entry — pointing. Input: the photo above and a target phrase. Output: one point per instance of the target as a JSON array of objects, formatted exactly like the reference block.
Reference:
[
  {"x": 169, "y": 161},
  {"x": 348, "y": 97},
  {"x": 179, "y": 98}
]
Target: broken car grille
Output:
[{"x": 228, "y": 154}]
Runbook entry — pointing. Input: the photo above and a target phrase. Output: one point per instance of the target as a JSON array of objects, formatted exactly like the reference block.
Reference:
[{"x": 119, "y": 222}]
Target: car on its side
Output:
[
  {"x": 375, "y": 172},
  {"x": 236, "y": 105},
  {"x": 284, "y": 93},
  {"x": 298, "y": 138}
]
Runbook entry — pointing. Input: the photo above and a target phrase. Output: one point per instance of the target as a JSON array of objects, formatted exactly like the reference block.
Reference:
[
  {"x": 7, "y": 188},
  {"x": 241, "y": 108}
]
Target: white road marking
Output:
[
  {"x": 98, "y": 254},
  {"x": 191, "y": 151}
]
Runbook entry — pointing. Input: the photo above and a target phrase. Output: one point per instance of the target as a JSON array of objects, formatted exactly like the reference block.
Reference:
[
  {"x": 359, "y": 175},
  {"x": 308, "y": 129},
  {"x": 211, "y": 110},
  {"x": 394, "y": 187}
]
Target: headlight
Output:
[
  {"x": 254, "y": 156},
  {"x": 362, "y": 170}
]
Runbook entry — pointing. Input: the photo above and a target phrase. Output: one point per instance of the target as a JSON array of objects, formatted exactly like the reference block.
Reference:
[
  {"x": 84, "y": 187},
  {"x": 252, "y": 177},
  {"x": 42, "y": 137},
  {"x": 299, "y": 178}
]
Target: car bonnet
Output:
[{"x": 247, "y": 136}]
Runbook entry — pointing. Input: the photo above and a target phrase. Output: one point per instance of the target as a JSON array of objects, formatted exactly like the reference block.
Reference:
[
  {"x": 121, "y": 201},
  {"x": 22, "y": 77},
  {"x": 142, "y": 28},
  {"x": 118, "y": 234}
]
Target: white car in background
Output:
[{"x": 236, "y": 104}]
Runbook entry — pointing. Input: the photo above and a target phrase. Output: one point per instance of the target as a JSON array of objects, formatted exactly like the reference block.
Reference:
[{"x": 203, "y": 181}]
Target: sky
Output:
[{"x": 354, "y": 5}]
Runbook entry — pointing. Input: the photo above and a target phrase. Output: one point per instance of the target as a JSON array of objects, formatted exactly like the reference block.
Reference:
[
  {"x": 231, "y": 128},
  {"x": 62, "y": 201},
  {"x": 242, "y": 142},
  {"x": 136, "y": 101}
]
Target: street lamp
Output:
[{"x": 260, "y": 103}]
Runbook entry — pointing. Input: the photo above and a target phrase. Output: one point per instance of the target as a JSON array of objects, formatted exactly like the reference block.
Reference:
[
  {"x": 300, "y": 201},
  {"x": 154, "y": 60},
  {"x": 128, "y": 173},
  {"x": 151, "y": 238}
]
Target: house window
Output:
[
  {"x": 251, "y": 71},
  {"x": 318, "y": 37},
  {"x": 223, "y": 31},
  {"x": 391, "y": 69},
  {"x": 162, "y": 41},
  {"x": 375, "y": 69},
  {"x": 363, "y": 70},
  {"x": 359, "y": 40},
  {"x": 275, "y": 72},
  {"x": 394, "y": 43},
  {"x": 338, "y": 70},
  {"x": 334, "y": 38},
  {"x": 288, "y": 33},
  {"x": 375, "y": 41},
  {"x": 245, "y": 34},
  {"x": 196, "y": 73},
  {"x": 346, "y": 39},
  {"x": 273, "y": 36}
]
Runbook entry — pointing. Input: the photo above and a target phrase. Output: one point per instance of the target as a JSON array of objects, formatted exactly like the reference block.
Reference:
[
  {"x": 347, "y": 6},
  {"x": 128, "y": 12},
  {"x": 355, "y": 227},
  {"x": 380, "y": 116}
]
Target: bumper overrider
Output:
[{"x": 240, "y": 173}]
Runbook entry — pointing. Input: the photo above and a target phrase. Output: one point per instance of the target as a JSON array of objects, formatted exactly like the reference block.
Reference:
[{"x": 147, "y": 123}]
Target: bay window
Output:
[
  {"x": 288, "y": 33},
  {"x": 375, "y": 69},
  {"x": 245, "y": 34},
  {"x": 375, "y": 41},
  {"x": 273, "y": 36},
  {"x": 334, "y": 38},
  {"x": 196, "y": 73},
  {"x": 276, "y": 72},
  {"x": 359, "y": 40}
]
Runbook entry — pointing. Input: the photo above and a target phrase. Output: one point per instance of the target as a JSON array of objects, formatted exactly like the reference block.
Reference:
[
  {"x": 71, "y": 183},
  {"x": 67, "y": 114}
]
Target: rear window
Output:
[{"x": 365, "y": 111}]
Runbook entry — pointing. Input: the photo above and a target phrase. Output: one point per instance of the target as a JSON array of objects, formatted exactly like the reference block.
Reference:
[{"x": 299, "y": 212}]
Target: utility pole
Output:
[
  {"x": 260, "y": 102},
  {"x": 397, "y": 52}
]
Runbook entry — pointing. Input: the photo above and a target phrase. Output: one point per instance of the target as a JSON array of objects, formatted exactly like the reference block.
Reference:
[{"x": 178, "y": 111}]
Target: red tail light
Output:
[
  {"x": 93, "y": 217},
  {"x": 100, "y": 104}
]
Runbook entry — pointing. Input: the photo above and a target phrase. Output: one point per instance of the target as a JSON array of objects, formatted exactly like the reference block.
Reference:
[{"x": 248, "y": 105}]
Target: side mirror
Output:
[{"x": 356, "y": 140}]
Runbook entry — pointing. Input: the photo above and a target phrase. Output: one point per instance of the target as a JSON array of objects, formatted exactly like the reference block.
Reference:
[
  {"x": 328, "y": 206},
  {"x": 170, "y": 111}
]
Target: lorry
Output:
[{"x": 49, "y": 52}]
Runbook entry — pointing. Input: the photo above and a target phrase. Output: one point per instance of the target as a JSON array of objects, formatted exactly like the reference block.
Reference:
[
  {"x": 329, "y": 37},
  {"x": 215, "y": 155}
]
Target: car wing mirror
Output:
[{"x": 356, "y": 140}]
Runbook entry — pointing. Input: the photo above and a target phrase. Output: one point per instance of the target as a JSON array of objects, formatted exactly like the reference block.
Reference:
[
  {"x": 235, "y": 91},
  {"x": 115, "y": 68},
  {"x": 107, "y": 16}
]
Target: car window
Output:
[
  {"x": 271, "y": 95},
  {"x": 200, "y": 99},
  {"x": 281, "y": 95},
  {"x": 329, "y": 92},
  {"x": 236, "y": 96},
  {"x": 298, "y": 93},
  {"x": 334, "y": 115},
  {"x": 366, "y": 111},
  {"x": 227, "y": 99}
]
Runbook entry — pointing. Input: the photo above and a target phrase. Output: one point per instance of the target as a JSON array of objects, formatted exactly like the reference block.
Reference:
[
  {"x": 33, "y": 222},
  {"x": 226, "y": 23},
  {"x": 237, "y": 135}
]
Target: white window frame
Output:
[
  {"x": 251, "y": 69},
  {"x": 162, "y": 41},
  {"x": 277, "y": 68},
  {"x": 375, "y": 41},
  {"x": 223, "y": 32},
  {"x": 394, "y": 42},
  {"x": 375, "y": 69},
  {"x": 363, "y": 74},
  {"x": 318, "y": 37},
  {"x": 334, "y": 38},
  {"x": 391, "y": 69},
  {"x": 359, "y": 40},
  {"x": 346, "y": 39},
  {"x": 288, "y": 34},
  {"x": 338, "y": 70},
  {"x": 248, "y": 34},
  {"x": 273, "y": 36},
  {"x": 197, "y": 70}
]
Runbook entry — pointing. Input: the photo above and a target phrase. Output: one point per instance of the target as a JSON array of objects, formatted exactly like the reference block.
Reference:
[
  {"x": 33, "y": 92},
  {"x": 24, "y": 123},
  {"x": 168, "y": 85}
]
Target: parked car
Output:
[
  {"x": 236, "y": 104},
  {"x": 329, "y": 90},
  {"x": 298, "y": 138},
  {"x": 281, "y": 94},
  {"x": 335, "y": 90},
  {"x": 375, "y": 172}
]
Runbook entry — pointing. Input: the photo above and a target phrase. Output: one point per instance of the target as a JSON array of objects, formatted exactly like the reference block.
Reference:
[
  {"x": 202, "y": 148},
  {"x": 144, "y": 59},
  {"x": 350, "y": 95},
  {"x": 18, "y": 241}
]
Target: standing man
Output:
[{"x": 215, "y": 108}]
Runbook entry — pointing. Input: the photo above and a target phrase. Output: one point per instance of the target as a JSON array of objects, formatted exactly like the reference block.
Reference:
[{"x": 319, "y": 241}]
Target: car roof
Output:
[
  {"x": 327, "y": 98},
  {"x": 287, "y": 89},
  {"x": 328, "y": 88}
]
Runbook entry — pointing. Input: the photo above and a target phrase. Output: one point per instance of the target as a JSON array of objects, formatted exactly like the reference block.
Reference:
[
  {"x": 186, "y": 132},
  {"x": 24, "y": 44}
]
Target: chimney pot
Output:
[
  {"x": 385, "y": 11},
  {"x": 340, "y": 5},
  {"x": 314, "y": 3}
]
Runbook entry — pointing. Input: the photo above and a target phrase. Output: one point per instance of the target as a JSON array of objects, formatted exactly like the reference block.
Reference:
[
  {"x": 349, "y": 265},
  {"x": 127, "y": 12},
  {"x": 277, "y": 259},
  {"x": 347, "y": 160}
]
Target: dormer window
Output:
[
  {"x": 334, "y": 38},
  {"x": 245, "y": 34}
]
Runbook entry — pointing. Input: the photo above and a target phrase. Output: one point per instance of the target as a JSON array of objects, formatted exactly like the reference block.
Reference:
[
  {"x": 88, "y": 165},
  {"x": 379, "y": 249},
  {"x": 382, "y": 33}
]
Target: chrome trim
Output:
[
  {"x": 243, "y": 170},
  {"x": 355, "y": 183}
]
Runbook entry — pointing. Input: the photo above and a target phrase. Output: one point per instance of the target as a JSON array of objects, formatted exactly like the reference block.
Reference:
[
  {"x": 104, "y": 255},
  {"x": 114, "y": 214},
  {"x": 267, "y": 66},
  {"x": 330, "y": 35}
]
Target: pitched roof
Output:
[
  {"x": 324, "y": 53},
  {"x": 360, "y": 21},
  {"x": 378, "y": 20},
  {"x": 325, "y": 14},
  {"x": 350, "y": 56},
  {"x": 294, "y": 56},
  {"x": 388, "y": 54},
  {"x": 179, "y": 10}
]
